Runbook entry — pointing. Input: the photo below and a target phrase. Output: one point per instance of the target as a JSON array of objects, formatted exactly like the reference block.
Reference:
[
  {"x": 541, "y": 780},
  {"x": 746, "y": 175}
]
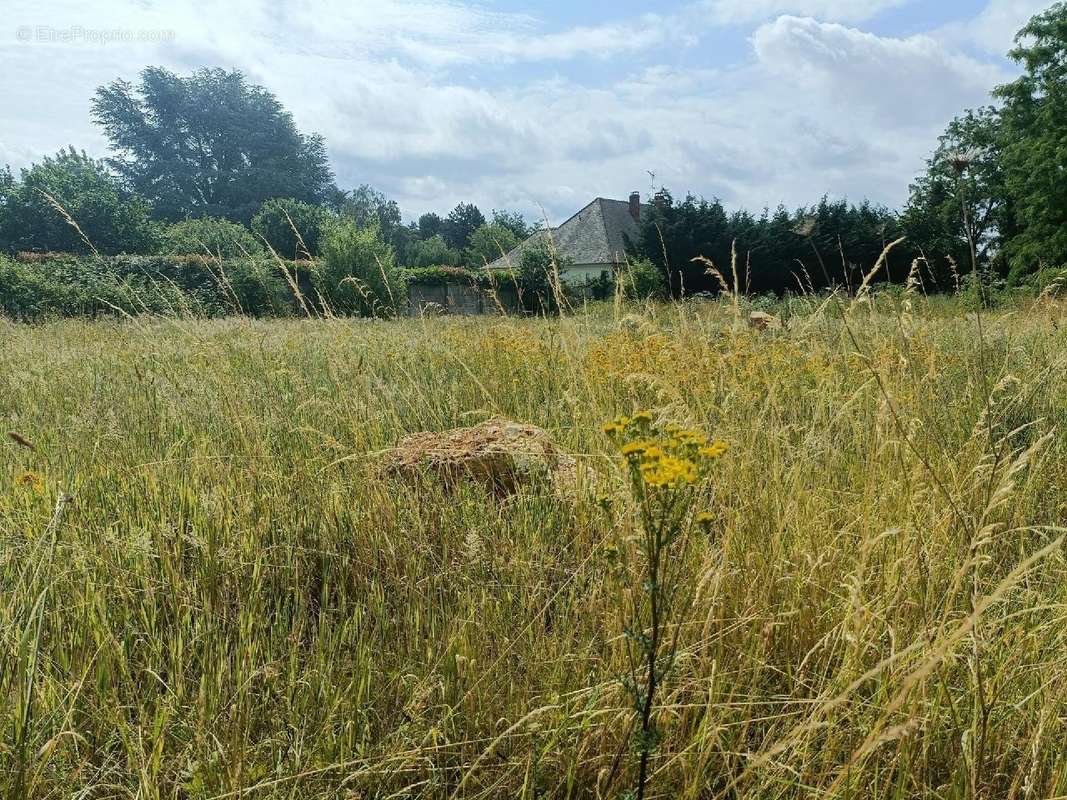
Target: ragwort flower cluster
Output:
[{"x": 663, "y": 457}]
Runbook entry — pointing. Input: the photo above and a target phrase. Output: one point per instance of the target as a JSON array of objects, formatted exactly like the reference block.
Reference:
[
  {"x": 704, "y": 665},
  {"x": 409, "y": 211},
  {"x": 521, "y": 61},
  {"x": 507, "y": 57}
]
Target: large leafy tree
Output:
[
  {"x": 367, "y": 206},
  {"x": 209, "y": 144},
  {"x": 1034, "y": 119},
  {"x": 72, "y": 203},
  {"x": 962, "y": 197}
]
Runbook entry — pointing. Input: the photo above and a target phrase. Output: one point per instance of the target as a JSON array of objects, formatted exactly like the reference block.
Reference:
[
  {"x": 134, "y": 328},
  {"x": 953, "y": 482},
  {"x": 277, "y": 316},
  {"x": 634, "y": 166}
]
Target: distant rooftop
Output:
[{"x": 596, "y": 235}]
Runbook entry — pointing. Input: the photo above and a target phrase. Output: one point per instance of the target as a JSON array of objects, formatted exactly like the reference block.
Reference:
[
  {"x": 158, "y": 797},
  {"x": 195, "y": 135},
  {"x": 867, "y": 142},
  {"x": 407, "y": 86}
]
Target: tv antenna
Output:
[{"x": 652, "y": 182}]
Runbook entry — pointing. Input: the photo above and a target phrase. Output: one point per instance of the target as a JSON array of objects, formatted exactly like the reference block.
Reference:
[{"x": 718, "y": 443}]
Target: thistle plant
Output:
[{"x": 667, "y": 468}]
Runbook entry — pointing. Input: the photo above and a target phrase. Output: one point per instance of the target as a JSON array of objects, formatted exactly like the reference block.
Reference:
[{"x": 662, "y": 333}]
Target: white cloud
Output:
[
  {"x": 740, "y": 11},
  {"x": 895, "y": 81},
  {"x": 994, "y": 29},
  {"x": 421, "y": 100}
]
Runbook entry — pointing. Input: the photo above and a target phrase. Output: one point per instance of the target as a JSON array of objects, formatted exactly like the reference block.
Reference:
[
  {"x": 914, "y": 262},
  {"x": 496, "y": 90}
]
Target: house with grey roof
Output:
[{"x": 594, "y": 240}]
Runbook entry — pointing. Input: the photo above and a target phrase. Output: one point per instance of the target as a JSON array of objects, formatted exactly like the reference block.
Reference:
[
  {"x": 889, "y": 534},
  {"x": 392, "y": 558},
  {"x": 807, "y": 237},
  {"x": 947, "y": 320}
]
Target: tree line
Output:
[{"x": 211, "y": 164}]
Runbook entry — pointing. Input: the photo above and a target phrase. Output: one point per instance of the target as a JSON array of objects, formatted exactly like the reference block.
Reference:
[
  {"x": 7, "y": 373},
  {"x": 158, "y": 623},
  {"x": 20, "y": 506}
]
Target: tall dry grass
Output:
[{"x": 209, "y": 592}]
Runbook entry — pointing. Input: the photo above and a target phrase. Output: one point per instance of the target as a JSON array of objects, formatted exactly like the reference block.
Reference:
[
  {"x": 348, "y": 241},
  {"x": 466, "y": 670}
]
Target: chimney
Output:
[{"x": 635, "y": 206}]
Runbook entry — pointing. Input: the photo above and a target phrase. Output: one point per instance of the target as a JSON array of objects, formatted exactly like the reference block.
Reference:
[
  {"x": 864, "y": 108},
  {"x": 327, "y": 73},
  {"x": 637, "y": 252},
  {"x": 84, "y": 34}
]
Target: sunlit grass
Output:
[{"x": 234, "y": 603}]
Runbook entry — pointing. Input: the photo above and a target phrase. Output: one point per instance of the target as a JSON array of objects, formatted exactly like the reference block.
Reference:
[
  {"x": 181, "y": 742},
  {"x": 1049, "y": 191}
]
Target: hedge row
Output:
[
  {"x": 36, "y": 286},
  {"x": 443, "y": 276}
]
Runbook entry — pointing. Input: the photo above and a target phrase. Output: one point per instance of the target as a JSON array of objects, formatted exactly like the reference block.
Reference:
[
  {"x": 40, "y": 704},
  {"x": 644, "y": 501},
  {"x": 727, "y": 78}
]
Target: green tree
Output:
[
  {"x": 464, "y": 220},
  {"x": 366, "y": 206},
  {"x": 292, "y": 228},
  {"x": 210, "y": 236},
  {"x": 433, "y": 252},
  {"x": 514, "y": 222},
  {"x": 430, "y": 225},
  {"x": 962, "y": 197},
  {"x": 38, "y": 209},
  {"x": 209, "y": 144},
  {"x": 488, "y": 243},
  {"x": 357, "y": 272},
  {"x": 832, "y": 243},
  {"x": 1034, "y": 136}
]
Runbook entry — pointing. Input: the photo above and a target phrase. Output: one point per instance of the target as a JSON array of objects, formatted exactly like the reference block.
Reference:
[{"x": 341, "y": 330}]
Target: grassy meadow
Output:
[{"x": 209, "y": 590}]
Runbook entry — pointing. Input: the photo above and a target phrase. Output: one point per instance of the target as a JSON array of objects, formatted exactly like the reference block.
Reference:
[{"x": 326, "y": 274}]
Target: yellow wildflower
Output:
[
  {"x": 669, "y": 471},
  {"x": 713, "y": 450},
  {"x": 640, "y": 447},
  {"x": 31, "y": 481}
]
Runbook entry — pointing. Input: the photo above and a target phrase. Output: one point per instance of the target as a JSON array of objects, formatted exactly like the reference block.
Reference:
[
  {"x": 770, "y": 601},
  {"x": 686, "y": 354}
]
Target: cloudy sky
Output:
[{"x": 541, "y": 106}]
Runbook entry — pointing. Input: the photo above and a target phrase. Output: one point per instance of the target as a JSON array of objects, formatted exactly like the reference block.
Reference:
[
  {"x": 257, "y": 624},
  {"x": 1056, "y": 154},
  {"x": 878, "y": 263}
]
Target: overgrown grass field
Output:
[{"x": 209, "y": 590}]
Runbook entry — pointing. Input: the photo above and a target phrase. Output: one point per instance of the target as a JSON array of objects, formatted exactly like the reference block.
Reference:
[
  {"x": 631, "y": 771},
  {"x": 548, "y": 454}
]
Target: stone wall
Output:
[{"x": 457, "y": 298}]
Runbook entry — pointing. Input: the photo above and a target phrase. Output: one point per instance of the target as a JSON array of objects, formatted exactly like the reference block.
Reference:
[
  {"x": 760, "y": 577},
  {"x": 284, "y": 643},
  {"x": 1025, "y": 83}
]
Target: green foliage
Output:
[
  {"x": 110, "y": 220},
  {"x": 514, "y": 222},
  {"x": 539, "y": 280},
  {"x": 830, "y": 244},
  {"x": 432, "y": 251},
  {"x": 209, "y": 144},
  {"x": 1034, "y": 143},
  {"x": 642, "y": 280},
  {"x": 461, "y": 224},
  {"x": 962, "y": 198},
  {"x": 366, "y": 206},
  {"x": 430, "y": 225},
  {"x": 488, "y": 243},
  {"x": 209, "y": 236},
  {"x": 440, "y": 276},
  {"x": 357, "y": 272},
  {"x": 292, "y": 228},
  {"x": 36, "y": 288}
]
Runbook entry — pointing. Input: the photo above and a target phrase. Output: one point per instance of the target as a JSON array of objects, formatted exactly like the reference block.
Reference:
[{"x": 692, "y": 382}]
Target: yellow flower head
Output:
[
  {"x": 714, "y": 450},
  {"x": 669, "y": 471},
  {"x": 31, "y": 481},
  {"x": 617, "y": 425},
  {"x": 638, "y": 448}
]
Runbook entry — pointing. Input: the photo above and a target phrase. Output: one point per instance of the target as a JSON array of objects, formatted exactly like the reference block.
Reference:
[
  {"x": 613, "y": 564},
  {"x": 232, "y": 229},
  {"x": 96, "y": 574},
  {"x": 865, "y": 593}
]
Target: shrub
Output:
[
  {"x": 642, "y": 280},
  {"x": 433, "y": 252},
  {"x": 33, "y": 287},
  {"x": 277, "y": 219},
  {"x": 110, "y": 219},
  {"x": 357, "y": 272},
  {"x": 210, "y": 236},
  {"x": 539, "y": 280}
]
